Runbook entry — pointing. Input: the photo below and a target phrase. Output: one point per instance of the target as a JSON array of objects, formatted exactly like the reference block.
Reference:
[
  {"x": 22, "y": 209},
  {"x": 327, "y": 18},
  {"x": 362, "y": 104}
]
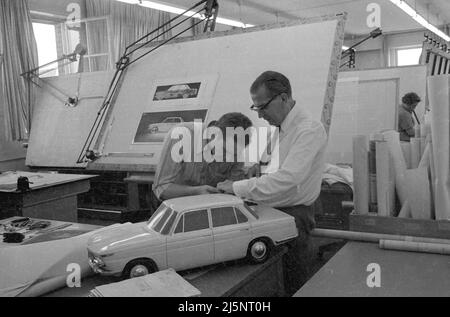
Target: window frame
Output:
[
  {"x": 208, "y": 213},
  {"x": 61, "y": 26},
  {"x": 54, "y": 67},
  {"x": 236, "y": 210},
  {"x": 219, "y": 207},
  {"x": 393, "y": 60}
]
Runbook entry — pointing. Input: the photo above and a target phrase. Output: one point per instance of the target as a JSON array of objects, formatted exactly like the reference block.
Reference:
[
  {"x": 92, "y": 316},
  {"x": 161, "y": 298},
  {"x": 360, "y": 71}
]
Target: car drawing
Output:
[
  {"x": 190, "y": 232},
  {"x": 177, "y": 92},
  {"x": 165, "y": 125}
]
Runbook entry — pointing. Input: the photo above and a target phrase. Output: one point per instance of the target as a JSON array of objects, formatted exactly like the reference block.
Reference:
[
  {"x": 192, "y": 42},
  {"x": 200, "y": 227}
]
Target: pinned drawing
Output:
[
  {"x": 177, "y": 91},
  {"x": 154, "y": 126}
]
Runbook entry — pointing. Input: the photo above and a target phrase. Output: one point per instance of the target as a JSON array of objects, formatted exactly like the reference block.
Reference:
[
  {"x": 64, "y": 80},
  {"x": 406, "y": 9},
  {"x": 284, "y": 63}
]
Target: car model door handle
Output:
[{"x": 247, "y": 229}]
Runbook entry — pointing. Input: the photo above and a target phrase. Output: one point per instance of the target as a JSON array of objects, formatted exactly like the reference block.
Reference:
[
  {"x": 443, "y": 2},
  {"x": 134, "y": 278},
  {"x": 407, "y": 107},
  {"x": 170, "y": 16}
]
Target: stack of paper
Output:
[{"x": 161, "y": 284}]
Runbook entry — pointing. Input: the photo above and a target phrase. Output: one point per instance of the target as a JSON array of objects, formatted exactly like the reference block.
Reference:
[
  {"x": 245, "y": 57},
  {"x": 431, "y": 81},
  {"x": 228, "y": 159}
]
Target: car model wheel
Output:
[
  {"x": 139, "y": 268},
  {"x": 258, "y": 251}
]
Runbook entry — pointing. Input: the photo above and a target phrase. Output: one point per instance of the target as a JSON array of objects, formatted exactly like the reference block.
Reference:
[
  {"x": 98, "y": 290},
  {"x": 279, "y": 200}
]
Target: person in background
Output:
[
  {"x": 176, "y": 179},
  {"x": 406, "y": 112},
  {"x": 296, "y": 185}
]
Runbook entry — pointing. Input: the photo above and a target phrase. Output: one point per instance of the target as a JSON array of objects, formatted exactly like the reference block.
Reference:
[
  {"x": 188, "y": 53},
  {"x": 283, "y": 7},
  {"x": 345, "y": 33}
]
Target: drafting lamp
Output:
[
  {"x": 32, "y": 74},
  {"x": 351, "y": 53},
  {"x": 208, "y": 15}
]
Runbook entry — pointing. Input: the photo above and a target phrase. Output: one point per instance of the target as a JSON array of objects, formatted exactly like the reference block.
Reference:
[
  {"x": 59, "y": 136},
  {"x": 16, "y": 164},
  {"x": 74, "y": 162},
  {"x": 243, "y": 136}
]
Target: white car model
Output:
[
  {"x": 176, "y": 92},
  {"x": 165, "y": 125},
  {"x": 190, "y": 232}
]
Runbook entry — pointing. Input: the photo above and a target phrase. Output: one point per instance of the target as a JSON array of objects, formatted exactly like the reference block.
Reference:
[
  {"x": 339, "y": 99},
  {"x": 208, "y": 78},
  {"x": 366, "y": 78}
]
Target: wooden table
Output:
[
  {"x": 402, "y": 274},
  {"x": 51, "y": 196},
  {"x": 234, "y": 279}
]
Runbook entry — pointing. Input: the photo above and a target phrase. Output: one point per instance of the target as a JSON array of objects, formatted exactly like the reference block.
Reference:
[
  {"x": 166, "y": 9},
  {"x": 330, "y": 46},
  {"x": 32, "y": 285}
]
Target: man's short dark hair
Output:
[
  {"x": 276, "y": 83},
  {"x": 234, "y": 120},
  {"x": 410, "y": 98}
]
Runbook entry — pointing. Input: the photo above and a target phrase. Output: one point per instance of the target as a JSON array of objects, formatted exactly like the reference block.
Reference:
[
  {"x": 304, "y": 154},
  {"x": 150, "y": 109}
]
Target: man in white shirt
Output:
[{"x": 296, "y": 185}]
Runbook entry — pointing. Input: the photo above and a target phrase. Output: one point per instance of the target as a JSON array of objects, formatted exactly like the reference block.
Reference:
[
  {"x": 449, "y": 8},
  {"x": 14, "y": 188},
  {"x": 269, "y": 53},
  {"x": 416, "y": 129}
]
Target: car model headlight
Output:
[{"x": 96, "y": 261}]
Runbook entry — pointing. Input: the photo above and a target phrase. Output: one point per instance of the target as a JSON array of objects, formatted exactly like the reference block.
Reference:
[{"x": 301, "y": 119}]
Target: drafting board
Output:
[
  {"x": 306, "y": 51},
  {"x": 58, "y": 132},
  {"x": 367, "y": 102}
]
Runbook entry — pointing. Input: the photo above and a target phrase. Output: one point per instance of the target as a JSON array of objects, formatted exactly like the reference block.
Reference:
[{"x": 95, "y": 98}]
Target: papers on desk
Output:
[
  {"x": 161, "y": 284},
  {"x": 26, "y": 228},
  {"x": 8, "y": 180}
]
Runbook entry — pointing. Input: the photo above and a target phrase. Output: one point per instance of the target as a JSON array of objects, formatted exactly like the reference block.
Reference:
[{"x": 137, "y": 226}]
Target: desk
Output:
[
  {"x": 235, "y": 279},
  {"x": 51, "y": 196},
  {"x": 56, "y": 230},
  {"x": 402, "y": 274}
]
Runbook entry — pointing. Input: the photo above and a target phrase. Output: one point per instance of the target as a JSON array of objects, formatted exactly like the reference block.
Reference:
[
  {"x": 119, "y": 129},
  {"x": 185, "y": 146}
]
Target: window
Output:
[
  {"x": 250, "y": 210},
  {"x": 159, "y": 218},
  {"x": 169, "y": 223},
  {"x": 223, "y": 216},
  {"x": 408, "y": 56},
  {"x": 45, "y": 35},
  {"x": 56, "y": 39},
  {"x": 180, "y": 225},
  {"x": 240, "y": 216},
  {"x": 196, "y": 220},
  {"x": 163, "y": 220}
]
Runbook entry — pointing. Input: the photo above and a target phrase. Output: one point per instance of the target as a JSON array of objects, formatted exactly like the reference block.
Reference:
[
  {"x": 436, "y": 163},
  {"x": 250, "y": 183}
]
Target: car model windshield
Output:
[
  {"x": 160, "y": 217},
  {"x": 250, "y": 210}
]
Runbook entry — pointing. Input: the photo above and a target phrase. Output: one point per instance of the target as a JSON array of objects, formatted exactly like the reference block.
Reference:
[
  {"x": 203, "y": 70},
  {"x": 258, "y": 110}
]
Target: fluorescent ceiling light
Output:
[
  {"x": 171, "y": 9},
  {"x": 419, "y": 19}
]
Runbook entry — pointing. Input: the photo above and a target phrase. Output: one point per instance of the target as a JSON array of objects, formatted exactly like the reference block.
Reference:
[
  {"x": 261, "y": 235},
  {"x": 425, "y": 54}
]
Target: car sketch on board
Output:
[
  {"x": 165, "y": 125},
  {"x": 183, "y": 91},
  {"x": 190, "y": 232}
]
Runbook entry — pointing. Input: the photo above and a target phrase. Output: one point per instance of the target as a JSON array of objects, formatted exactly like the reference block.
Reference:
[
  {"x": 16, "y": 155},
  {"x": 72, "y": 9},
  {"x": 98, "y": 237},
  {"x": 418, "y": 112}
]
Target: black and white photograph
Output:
[
  {"x": 154, "y": 126},
  {"x": 178, "y": 91},
  {"x": 321, "y": 169}
]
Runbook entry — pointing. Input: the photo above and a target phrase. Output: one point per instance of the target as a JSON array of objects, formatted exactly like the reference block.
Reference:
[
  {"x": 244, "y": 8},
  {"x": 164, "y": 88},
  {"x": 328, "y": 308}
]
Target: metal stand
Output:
[{"x": 351, "y": 53}]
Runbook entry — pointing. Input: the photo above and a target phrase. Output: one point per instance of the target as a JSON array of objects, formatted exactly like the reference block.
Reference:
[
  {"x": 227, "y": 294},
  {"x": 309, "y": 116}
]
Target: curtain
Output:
[
  {"x": 19, "y": 50},
  {"x": 197, "y": 29},
  {"x": 126, "y": 24}
]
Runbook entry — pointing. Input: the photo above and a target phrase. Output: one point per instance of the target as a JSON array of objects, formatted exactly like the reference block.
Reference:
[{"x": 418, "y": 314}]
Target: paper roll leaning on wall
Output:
[
  {"x": 361, "y": 174},
  {"x": 439, "y": 96}
]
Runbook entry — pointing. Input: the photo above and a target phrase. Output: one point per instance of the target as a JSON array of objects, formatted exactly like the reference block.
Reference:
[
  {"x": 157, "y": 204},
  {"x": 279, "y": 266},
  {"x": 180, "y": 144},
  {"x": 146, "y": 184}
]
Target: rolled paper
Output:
[
  {"x": 425, "y": 160},
  {"x": 415, "y": 246},
  {"x": 385, "y": 180},
  {"x": 393, "y": 140},
  {"x": 415, "y": 152},
  {"x": 418, "y": 189},
  {"x": 439, "y": 95},
  {"x": 405, "y": 212},
  {"x": 372, "y": 237},
  {"x": 406, "y": 150},
  {"x": 361, "y": 174}
]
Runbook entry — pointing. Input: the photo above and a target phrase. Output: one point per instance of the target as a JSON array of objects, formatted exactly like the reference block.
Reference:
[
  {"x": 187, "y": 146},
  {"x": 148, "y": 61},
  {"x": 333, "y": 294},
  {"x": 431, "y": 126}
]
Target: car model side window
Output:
[
  {"x": 240, "y": 216},
  {"x": 223, "y": 216},
  {"x": 169, "y": 223},
  {"x": 180, "y": 225},
  {"x": 196, "y": 220}
]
